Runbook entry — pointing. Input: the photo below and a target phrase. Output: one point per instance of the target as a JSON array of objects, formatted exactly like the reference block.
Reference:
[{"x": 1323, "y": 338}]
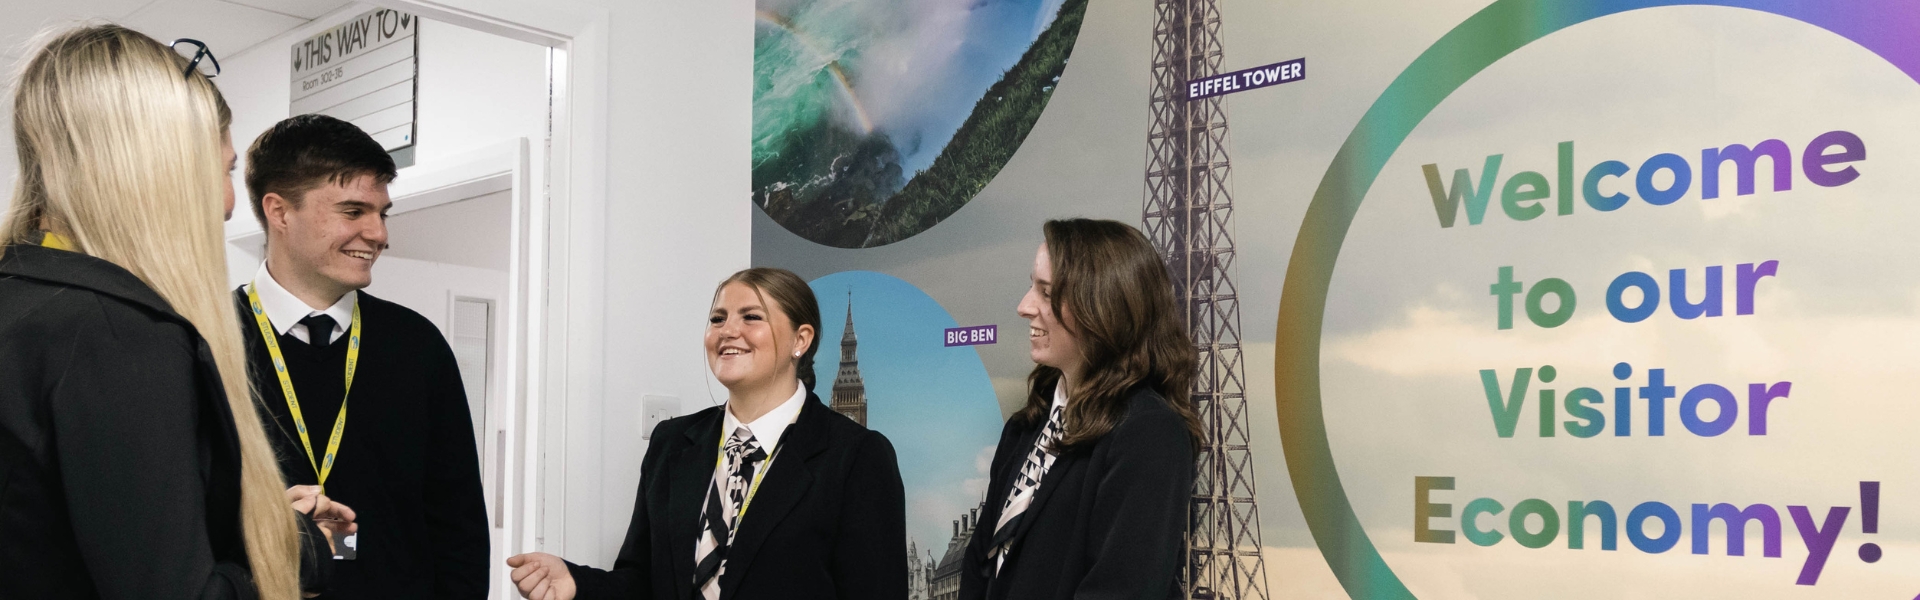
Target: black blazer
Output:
[
  {"x": 119, "y": 462},
  {"x": 829, "y": 520},
  {"x": 1108, "y": 521},
  {"x": 407, "y": 464}
]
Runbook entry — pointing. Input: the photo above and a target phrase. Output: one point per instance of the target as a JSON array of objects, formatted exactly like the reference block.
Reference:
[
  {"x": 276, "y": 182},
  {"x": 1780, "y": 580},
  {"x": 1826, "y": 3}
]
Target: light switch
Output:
[{"x": 654, "y": 409}]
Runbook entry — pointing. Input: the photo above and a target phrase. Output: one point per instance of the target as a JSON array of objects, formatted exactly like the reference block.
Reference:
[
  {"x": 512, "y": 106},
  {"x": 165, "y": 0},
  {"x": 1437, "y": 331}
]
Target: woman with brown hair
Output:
[
  {"x": 1089, "y": 487},
  {"x": 132, "y": 463},
  {"x": 772, "y": 495}
]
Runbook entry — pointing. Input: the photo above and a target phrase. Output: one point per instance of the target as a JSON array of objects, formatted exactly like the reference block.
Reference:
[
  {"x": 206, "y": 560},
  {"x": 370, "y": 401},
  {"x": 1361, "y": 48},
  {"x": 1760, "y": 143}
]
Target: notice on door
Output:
[{"x": 362, "y": 71}]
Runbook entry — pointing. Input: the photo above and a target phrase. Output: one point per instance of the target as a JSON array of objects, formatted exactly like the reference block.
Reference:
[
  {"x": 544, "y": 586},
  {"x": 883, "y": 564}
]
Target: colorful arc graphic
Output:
[
  {"x": 833, "y": 66},
  {"x": 1885, "y": 27}
]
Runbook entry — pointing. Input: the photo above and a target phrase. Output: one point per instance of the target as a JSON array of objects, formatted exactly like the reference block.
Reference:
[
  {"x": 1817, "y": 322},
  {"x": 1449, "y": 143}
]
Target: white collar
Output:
[
  {"x": 1059, "y": 395},
  {"x": 285, "y": 310},
  {"x": 769, "y": 427}
]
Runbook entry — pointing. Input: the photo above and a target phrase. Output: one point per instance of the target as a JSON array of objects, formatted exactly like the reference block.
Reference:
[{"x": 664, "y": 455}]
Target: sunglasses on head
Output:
[{"x": 199, "y": 58}]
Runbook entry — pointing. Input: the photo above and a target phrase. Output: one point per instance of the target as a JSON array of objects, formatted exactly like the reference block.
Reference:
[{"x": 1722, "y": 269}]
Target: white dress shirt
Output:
[
  {"x": 285, "y": 310},
  {"x": 766, "y": 433}
]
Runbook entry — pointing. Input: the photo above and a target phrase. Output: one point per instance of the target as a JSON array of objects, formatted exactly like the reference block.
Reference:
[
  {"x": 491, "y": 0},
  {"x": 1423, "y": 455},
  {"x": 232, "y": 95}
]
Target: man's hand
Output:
[
  {"x": 542, "y": 576},
  {"x": 332, "y": 517}
]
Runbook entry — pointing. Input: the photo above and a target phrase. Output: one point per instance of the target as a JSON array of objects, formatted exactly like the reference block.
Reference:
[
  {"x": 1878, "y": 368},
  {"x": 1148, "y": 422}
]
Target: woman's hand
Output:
[
  {"x": 333, "y": 517},
  {"x": 542, "y": 576}
]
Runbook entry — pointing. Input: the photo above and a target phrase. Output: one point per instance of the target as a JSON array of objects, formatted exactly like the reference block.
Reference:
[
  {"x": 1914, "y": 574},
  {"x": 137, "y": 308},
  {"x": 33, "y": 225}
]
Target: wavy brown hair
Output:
[{"x": 1112, "y": 294}]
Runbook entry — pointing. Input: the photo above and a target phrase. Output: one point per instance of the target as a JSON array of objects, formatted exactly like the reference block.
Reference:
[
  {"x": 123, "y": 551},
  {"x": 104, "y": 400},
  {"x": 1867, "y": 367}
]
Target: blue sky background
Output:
[
  {"x": 998, "y": 32},
  {"x": 936, "y": 404}
]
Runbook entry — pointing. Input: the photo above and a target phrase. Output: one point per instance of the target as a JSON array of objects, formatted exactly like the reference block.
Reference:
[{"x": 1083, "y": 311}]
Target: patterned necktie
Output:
[
  {"x": 743, "y": 451},
  {"x": 1025, "y": 485}
]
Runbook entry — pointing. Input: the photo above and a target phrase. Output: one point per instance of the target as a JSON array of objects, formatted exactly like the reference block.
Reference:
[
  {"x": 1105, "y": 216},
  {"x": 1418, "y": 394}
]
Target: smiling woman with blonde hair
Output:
[{"x": 132, "y": 462}]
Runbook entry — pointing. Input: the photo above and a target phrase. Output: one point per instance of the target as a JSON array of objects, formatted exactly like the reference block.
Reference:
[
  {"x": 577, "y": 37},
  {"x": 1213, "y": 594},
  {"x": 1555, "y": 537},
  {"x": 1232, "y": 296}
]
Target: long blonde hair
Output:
[{"x": 122, "y": 153}]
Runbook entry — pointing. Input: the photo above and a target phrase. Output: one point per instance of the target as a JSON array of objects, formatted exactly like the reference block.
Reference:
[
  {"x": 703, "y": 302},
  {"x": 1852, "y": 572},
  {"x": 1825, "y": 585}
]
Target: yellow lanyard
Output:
[
  {"x": 55, "y": 241},
  {"x": 324, "y": 467},
  {"x": 751, "y": 489}
]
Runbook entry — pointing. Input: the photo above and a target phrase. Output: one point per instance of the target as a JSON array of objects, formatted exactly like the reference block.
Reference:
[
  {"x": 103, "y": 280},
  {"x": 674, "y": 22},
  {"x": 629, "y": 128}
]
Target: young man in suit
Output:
[{"x": 363, "y": 397}]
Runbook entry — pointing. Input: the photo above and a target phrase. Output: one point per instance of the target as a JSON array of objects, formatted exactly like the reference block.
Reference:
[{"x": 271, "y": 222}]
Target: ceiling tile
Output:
[
  {"x": 25, "y": 19},
  {"x": 226, "y": 28},
  {"x": 305, "y": 9}
]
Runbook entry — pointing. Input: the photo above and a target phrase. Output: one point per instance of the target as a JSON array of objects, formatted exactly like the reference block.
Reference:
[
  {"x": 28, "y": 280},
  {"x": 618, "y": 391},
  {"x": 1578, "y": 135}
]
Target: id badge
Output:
[{"x": 346, "y": 546}]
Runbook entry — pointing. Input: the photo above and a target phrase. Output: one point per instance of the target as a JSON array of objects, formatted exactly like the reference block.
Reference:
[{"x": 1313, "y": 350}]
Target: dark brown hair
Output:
[
  {"x": 305, "y": 152},
  {"x": 1112, "y": 294},
  {"x": 796, "y": 301}
]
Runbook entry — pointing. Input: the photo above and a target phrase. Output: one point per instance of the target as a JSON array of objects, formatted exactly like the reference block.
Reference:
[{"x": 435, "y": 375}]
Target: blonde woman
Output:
[{"x": 132, "y": 462}]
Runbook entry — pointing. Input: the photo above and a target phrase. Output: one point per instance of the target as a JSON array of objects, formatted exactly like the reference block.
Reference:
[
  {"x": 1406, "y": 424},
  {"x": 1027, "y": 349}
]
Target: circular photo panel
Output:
[
  {"x": 884, "y": 362},
  {"x": 873, "y": 120}
]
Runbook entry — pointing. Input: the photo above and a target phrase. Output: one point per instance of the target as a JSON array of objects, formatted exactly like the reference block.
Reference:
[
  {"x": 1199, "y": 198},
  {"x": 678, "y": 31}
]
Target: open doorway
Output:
[{"x": 458, "y": 229}]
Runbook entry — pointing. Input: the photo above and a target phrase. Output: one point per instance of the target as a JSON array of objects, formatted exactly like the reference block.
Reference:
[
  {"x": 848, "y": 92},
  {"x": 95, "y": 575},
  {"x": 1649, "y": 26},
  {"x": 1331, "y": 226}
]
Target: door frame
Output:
[
  {"x": 561, "y": 245},
  {"x": 505, "y": 166}
]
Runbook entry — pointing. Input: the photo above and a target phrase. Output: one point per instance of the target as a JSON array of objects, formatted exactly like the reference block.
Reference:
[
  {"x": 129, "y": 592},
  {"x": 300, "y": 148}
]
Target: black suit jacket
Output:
[
  {"x": 407, "y": 464},
  {"x": 1108, "y": 521},
  {"x": 829, "y": 520},
  {"x": 119, "y": 462}
]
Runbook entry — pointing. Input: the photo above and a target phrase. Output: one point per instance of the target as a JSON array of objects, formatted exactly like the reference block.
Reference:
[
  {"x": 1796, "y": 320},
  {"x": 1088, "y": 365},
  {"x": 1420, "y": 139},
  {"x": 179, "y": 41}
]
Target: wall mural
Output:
[
  {"x": 875, "y": 120},
  {"x": 1568, "y": 299}
]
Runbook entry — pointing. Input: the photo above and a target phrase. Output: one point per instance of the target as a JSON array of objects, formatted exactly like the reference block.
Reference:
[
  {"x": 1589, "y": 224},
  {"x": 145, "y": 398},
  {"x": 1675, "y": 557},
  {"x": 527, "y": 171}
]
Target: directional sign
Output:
[{"x": 362, "y": 71}]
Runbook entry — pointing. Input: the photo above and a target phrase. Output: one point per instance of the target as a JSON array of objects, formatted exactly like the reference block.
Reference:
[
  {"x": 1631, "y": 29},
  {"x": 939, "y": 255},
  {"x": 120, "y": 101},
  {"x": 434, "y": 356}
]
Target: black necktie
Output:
[{"x": 319, "y": 330}]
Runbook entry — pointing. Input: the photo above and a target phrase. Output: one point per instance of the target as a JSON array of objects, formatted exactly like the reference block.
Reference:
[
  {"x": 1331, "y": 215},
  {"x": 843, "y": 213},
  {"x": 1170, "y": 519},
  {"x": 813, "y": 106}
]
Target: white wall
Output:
[
  {"x": 656, "y": 213},
  {"x": 677, "y": 222},
  {"x": 475, "y": 90},
  {"x": 471, "y": 232}
]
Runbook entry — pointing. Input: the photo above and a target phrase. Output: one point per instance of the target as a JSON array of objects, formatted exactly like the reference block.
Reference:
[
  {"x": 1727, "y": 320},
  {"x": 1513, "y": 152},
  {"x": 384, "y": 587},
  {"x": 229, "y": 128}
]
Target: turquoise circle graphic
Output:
[{"x": 1885, "y": 27}]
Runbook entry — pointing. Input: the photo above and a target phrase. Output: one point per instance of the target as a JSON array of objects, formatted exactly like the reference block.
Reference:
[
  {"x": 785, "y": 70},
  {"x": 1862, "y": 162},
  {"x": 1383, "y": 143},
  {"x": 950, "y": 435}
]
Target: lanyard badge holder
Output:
[{"x": 346, "y": 546}]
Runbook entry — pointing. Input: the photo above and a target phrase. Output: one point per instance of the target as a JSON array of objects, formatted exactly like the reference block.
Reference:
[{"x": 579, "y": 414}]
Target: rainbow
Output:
[{"x": 833, "y": 66}]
